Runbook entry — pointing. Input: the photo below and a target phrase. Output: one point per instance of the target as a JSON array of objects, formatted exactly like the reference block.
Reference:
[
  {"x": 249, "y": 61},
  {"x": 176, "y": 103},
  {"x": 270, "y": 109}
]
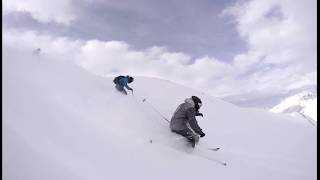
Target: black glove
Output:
[
  {"x": 199, "y": 114},
  {"x": 202, "y": 134}
]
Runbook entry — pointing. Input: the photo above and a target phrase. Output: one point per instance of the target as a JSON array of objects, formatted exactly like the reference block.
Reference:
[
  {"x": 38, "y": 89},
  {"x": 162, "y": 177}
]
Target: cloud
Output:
[
  {"x": 116, "y": 57},
  {"x": 277, "y": 32},
  {"x": 280, "y": 57},
  {"x": 59, "y": 11}
]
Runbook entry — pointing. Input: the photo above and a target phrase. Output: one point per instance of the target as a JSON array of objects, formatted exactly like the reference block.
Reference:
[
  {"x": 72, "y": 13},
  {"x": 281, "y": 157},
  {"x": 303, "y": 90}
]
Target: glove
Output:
[
  {"x": 199, "y": 114},
  {"x": 202, "y": 134}
]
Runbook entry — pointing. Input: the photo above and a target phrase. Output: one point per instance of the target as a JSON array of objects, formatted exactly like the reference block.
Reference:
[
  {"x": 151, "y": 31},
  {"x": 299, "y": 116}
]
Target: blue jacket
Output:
[{"x": 123, "y": 82}]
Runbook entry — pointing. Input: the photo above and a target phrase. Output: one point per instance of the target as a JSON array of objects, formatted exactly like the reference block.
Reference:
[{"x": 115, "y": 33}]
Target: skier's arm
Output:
[
  {"x": 124, "y": 83},
  {"x": 199, "y": 114},
  {"x": 129, "y": 88},
  {"x": 192, "y": 121}
]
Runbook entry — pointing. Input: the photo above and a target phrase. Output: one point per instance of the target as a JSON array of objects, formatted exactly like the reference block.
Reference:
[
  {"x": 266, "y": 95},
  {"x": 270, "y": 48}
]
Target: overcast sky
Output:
[{"x": 222, "y": 47}]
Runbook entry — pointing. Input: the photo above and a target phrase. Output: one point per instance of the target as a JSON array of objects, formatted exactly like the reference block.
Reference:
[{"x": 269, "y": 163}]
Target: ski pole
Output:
[
  {"x": 154, "y": 109},
  {"x": 144, "y": 100}
]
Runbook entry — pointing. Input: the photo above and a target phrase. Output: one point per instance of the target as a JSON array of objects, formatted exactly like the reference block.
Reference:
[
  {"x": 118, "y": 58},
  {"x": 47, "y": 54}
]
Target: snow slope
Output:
[
  {"x": 304, "y": 103},
  {"x": 62, "y": 122}
]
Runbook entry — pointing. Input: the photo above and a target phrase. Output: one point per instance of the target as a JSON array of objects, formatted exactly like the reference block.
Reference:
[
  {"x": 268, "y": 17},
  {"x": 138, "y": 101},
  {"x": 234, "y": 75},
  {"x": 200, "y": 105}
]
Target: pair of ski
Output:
[
  {"x": 209, "y": 149},
  {"x": 195, "y": 142},
  {"x": 204, "y": 149}
]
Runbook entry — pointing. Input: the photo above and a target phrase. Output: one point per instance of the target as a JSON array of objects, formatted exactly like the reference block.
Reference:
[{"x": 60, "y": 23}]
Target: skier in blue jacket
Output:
[{"x": 122, "y": 82}]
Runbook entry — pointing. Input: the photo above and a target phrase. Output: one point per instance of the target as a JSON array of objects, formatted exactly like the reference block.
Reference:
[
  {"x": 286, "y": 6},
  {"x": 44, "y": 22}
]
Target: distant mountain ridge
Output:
[
  {"x": 304, "y": 103},
  {"x": 265, "y": 101}
]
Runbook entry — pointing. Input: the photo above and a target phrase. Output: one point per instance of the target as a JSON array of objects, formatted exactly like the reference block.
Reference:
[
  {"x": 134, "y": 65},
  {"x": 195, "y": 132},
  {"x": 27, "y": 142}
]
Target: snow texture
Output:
[{"x": 62, "y": 122}]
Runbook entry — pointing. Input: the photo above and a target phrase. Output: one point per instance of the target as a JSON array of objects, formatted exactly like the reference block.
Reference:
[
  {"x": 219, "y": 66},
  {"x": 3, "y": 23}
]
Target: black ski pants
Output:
[{"x": 121, "y": 89}]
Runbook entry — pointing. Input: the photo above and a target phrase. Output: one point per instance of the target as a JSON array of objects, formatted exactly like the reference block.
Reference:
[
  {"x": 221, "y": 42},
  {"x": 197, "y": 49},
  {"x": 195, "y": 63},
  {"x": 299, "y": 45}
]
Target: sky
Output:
[{"x": 222, "y": 47}]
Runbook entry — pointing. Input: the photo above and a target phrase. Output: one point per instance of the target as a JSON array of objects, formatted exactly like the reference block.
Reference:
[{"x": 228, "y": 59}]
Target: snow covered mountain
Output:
[
  {"x": 304, "y": 104},
  {"x": 62, "y": 122},
  {"x": 266, "y": 101}
]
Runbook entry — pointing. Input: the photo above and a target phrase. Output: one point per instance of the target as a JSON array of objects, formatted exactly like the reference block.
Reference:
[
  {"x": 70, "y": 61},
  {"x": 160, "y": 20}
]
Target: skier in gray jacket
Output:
[{"x": 184, "y": 122}]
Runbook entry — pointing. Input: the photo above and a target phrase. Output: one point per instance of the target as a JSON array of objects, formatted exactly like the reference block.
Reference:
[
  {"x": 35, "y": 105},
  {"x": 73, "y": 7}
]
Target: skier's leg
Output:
[
  {"x": 121, "y": 89},
  {"x": 190, "y": 135}
]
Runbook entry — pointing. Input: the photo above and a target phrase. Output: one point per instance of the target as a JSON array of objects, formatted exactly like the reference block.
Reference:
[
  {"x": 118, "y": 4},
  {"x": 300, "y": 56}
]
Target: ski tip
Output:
[{"x": 214, "y": 149}]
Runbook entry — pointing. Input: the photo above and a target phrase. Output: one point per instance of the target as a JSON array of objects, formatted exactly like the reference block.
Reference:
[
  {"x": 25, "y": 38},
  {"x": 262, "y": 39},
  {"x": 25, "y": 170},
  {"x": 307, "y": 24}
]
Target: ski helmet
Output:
[
  {"x": 197, "y": 102},
  {"x": 130, "y": 79}
]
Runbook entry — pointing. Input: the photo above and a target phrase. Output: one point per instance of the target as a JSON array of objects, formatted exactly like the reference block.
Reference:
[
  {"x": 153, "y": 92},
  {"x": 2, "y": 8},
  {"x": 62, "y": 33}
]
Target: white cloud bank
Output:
[
  {"x": 59, "y": 11},
  {"x": 280, "y": 32},
  {"x": 114, "y": 57},
  {"x": 281, "y": 38}
]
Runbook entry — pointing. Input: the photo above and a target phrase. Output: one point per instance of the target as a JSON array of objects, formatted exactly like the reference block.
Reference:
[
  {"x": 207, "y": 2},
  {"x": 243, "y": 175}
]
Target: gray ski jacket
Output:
[{"x": 184, "y": 117}]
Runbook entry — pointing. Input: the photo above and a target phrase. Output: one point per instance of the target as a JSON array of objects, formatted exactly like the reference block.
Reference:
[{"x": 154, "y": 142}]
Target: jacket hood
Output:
[{"x": 189, "y": 101}]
